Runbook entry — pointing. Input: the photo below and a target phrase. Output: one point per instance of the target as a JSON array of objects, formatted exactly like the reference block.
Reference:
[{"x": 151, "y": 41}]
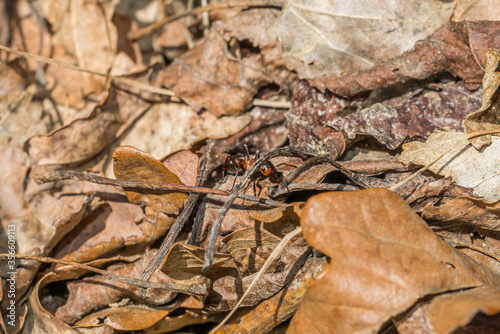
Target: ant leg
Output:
[
  {"x": 224, "y": 168},
  {"x": 235, "y": 177},
  {"x": 257, "y": 185}
]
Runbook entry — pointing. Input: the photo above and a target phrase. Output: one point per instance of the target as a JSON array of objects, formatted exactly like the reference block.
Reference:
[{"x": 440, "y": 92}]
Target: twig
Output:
[
  {"x": 87, "y": 177},
  {"x": 177, "y": 225},
  {"x": 127, "y": 81},
  {"x": 274, "y": 255},
  {"x": 140, "y": 33},
  {"x": 121, "y": 279},
  {"x": 209, "y": 253}
]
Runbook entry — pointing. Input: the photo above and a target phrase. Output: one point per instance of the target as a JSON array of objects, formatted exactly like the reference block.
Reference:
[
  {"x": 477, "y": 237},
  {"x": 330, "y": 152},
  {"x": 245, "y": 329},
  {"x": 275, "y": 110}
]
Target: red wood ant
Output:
[{"x": 243, "y": 163}]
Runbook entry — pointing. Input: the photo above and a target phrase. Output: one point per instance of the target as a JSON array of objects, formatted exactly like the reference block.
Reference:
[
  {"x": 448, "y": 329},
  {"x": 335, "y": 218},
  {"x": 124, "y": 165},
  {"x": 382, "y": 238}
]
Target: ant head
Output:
[{"x": 266, "y": 170}]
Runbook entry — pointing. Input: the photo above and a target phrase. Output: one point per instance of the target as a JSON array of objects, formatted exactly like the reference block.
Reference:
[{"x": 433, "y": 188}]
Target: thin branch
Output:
[
  {"x": 87, "y": 177},
  {"x": 140, "y": 33},
  {"x": 121, "y": 279},
  {"x": 209, "y": 253},
  {"x": 178, "y": 224}
]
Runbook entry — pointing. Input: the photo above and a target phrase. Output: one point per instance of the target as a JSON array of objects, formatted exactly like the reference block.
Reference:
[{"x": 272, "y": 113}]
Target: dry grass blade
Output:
[{"x": 274, "y": 255}]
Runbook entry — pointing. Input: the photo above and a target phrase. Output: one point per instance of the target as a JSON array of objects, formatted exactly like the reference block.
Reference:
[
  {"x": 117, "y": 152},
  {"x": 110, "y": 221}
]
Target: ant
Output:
[{"x": 243, "y": 163}]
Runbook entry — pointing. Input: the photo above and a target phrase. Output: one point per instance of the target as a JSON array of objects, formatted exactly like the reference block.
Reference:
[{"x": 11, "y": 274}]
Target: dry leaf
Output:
[
  {"x": 39, "y": 320},
  {"x": 87, "y": 33},
  {"x": 132, "y": 164},
  {"x": 413, "y": 116},
  {"x": 126, "y": 318},
  {"x": 270, "y": 312},
  {"x": 250, "y": 247},
  {"x": 224, "y": 78},
  {"x": 184, "y": 164},
  {"x": 465, "y": 211},
  {"x": 168, "y": 127},
  {"x": 450, "y": 312},
  {"x": 457, "y": 48},
  {"x": 76, "y": 142},
  {"x": 467, "y": 166},
  {"x": 333, "y": 37},
  {"x": 111, "y": 226},
  {"x": 307, "y": 119},
  {"x": 473, "y": 10},
  {"x": 97, "y": 291},
  {"x": 488, "y": 117},
  {"x": 384, "y": 258}
]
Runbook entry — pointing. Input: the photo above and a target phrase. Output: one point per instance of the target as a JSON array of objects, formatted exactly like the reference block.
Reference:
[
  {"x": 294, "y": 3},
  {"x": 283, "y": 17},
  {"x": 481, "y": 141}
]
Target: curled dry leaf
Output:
[
  {"x": 84, "y": 138},
  {"x": 125, "y": 318},
  {"x": 40, "y": 320},
  {"x": 455, "y": 48},
  {"x": 226, "y": 70},
  {"x": 334, "y": 37},
  {"x": 132, "y": 164},
  {"x": 488, "y": 117},
  {"x": 447, "y": 313},
  {"x": 75, "y": 142},
  {"x": 384, "y": 258},
  {"x": 94, "y": 292},
  {"x": 467, "y": 211},
  {"x": 418, "y": 116},
  {"x": 467, "y": 166}
]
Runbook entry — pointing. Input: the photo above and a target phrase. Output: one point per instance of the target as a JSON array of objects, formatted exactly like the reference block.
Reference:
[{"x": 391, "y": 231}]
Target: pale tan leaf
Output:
[
  {"x": 332, "y": 37},
  {"x": 467, "y": 166},
  {"x": 488, "y": 116}
]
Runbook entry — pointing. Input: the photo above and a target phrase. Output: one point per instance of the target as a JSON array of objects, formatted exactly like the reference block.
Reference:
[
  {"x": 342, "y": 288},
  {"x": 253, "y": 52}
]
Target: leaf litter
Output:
[{"x": 177, "y": 103}]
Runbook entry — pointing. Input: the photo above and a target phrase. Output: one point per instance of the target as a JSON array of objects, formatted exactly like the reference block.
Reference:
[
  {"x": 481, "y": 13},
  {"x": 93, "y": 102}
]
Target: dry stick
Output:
[
  {"x": 121, "y": 279},
  {"x": 78, "y": 176},
  {"x": 274, "y": 255},
  {"x": 426, "y": 167},
  {"x": 177, "y": 226},
  {"x": 209, "y": 254},
  {"x": 140, "y": 33},
  {"x": 140, "y": 85}
]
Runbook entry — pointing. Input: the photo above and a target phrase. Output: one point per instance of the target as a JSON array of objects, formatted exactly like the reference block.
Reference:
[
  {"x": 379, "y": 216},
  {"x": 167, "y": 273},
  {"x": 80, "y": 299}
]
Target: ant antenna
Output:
[{"x": 247, "y": 153}]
